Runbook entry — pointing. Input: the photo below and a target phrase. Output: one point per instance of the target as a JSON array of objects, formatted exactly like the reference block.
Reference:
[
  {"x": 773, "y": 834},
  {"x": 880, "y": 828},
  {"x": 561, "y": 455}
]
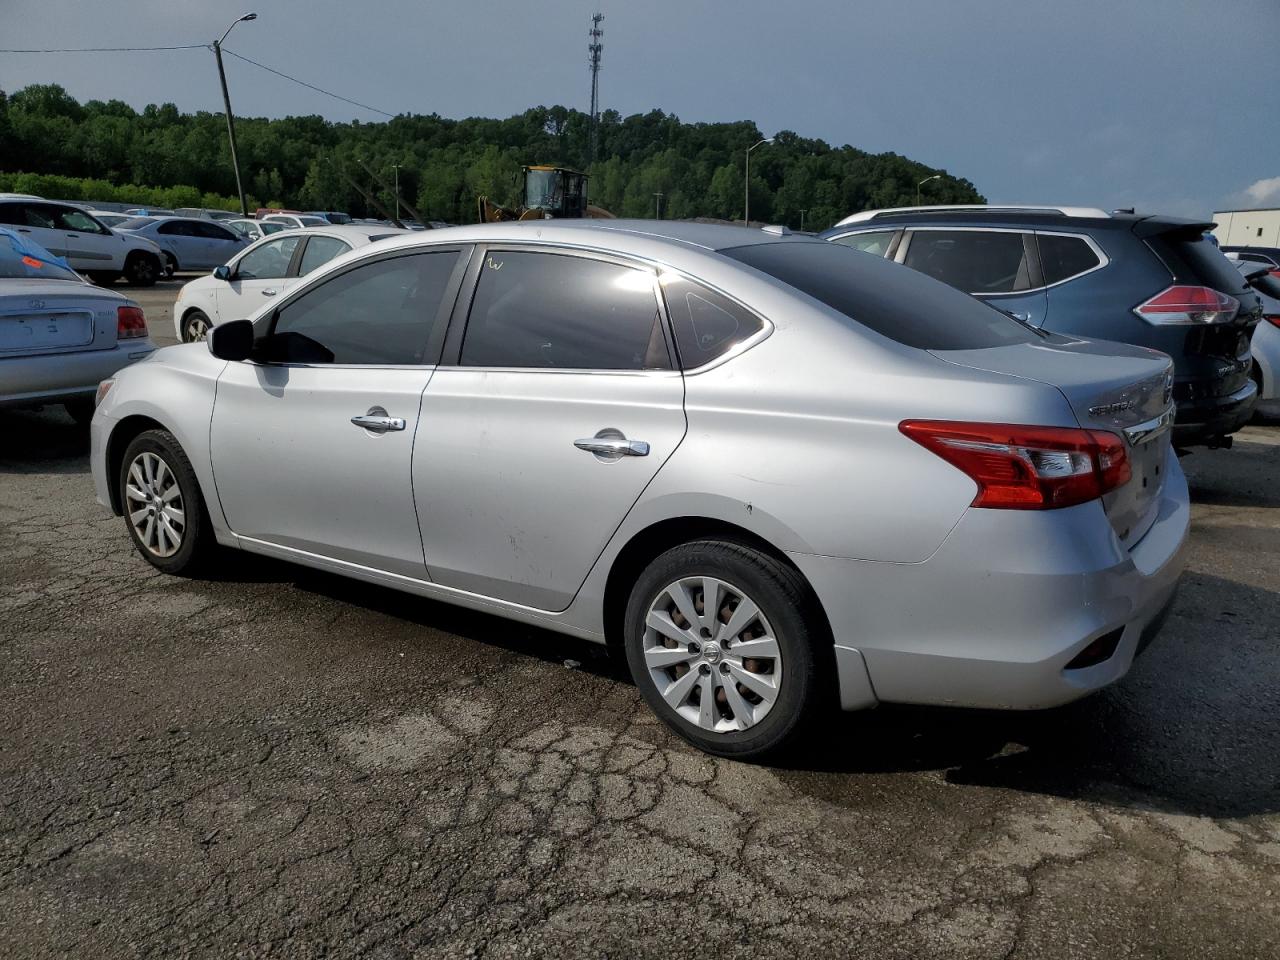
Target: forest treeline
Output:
[{"x": 53, "y": 145}]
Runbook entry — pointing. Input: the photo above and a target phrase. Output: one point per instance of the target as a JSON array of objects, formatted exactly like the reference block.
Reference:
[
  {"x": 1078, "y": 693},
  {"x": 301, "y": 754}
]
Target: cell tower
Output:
[{"x": 595, "y": 48}]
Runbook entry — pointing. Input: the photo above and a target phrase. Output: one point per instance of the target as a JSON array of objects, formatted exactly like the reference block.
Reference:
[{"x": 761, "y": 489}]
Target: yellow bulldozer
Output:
[{"x": 549, "y": 193}]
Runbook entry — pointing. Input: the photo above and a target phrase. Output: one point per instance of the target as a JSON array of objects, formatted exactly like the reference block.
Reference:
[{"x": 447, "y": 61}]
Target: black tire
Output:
[
  {"x": 787, "y": 604},
  {"x": 170, "y": 264},
  {"x": 197, "y": 545},
  {"x": 80, "y": 410},
  {"x": 142, "y": 269},
  {"x": 104, "y": 279},
  {"x": 192, "y": 329}
]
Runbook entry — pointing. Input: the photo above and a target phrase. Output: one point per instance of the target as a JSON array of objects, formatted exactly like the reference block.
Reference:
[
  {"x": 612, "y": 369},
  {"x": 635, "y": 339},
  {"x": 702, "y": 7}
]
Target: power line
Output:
[
  {"x": 309, "y": 86},
  {"x": 186, "y": 46}
]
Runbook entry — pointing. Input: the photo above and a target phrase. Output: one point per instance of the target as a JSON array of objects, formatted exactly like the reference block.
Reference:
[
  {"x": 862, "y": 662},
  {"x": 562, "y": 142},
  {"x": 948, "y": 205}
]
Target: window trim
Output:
[
  {"x": 451, "y": 356},
  {"x": 443, "y": 315}
]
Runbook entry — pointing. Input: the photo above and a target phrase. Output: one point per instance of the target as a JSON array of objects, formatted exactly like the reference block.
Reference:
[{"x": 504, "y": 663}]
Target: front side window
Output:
[
  {"x": 211, "y": 231},
  {"x": 706, "y": 324},
  {"x": 876, "y": 242},
  {"x": 382, "y": 312},
  {"x": 975, "y": 261},
  {"x": 1064, "y": 257},
  {"x": 564, "y": 312},
  {"x": 269, "y": 261},
  {"x": 77, "y": 221},
  {"x": 320, "y": 250}
]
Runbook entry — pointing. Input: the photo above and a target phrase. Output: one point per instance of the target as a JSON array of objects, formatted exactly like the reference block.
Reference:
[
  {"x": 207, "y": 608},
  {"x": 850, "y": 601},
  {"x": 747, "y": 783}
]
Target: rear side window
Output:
[
  {"x": 706, "y": 324},
  {"x": 382, "y": 312},
  {"x": 1062, "y": 258},
  {"x": 884, "y": 297},
  {"x": 211, "y": 231},
  {"x": 975, "y": 261},
  {"x": 320, "y": 250},
  {"x": 877, "y": 242},
  {"x": 565, "y": 312}
]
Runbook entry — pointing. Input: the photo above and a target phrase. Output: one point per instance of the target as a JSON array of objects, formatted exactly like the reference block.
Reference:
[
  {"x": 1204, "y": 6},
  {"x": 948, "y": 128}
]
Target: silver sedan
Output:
[{"x": 775, "y": 472}]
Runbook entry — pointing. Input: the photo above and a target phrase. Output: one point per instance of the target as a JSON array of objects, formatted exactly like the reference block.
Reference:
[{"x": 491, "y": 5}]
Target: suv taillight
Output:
[
  {"x": 1181, "y": 304},
  {"x": 1019, "y": 467},
  {"x": 1272, "y": 318},
  {"x": 130, "y": 323}
]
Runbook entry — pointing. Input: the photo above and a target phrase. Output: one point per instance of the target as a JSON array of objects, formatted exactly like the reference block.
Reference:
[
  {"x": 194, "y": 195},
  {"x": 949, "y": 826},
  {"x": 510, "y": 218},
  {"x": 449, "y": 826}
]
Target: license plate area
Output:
[{"x": 43, "y": 331}]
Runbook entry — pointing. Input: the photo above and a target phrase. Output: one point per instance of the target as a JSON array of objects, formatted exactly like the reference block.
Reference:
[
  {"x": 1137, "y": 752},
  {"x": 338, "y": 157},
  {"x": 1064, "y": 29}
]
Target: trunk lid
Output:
[
  {"x": 1116, "y": 387},
  {"x": 39, "y": 317}
]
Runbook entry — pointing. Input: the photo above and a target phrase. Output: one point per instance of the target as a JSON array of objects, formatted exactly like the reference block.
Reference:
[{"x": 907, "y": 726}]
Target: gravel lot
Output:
[{"x": 282, "y": 763}]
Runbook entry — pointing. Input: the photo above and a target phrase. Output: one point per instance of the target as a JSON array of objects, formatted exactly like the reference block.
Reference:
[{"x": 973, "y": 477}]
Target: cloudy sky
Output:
[{"x": 1167, "y": 105}]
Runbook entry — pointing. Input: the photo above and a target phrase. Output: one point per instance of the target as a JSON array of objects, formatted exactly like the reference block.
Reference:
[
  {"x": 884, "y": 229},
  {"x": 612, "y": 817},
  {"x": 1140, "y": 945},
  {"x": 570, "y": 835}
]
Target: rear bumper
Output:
[
  {"x": 1201, "y": 420},
  {"x": 59, "y": 377},
  {"x": 994, "y": 618}
]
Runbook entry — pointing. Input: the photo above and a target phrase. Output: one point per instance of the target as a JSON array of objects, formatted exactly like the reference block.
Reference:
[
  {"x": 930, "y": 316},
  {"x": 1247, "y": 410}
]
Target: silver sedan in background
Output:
[
  {"x": 188, "y": 243},
  {"x": 774, "y": 471}
]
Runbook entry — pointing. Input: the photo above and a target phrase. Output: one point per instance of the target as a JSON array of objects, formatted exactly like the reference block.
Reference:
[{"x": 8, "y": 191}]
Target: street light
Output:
[
  {"x": 226, "y": 102},
  {"x": 746, "y": 187},
  {"x": 936, "y": 176},
  {"x": 657, "y": 206}
]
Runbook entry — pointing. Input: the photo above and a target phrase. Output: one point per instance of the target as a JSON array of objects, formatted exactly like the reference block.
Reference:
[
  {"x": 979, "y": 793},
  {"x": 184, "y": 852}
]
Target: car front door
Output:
[
  {"x": 221, "y": 244},
  {"x": 257, "y": 277},
  {"x": 176, "y": 236},
  {"x": 555, "y": 405},
  {"x": 999, "y": 266},
  {"x": 311, "y": 443}
]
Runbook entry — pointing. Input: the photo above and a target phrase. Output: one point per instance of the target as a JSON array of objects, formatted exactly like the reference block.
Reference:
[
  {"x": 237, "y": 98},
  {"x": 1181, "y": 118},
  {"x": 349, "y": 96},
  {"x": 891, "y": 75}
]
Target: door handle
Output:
[
  {"x": 612, "y": 445},
  {"x": 269, "y": 293},
  {"x": 378, "y": 423}
]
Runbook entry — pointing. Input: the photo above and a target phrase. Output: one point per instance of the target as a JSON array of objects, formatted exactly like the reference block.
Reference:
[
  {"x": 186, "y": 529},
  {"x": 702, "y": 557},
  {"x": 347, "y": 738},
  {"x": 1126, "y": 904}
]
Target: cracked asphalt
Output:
[{"x": 280, "y": 763}]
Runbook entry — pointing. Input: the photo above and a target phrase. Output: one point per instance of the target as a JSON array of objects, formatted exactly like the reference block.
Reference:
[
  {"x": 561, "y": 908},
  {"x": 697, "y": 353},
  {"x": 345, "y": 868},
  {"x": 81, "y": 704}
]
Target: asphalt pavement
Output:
[{"x": 281, "y": 763}]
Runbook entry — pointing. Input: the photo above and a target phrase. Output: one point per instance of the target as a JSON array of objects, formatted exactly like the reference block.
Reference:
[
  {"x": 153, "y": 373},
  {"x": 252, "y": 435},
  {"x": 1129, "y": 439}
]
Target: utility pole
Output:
[
  {"x": 657, "y": 206},
  {"x": 396, "y": 168},
  {"x": 226, "y": 102},
  {"x": 802, "y": 213},
  {"x": 595, "y": 48}
]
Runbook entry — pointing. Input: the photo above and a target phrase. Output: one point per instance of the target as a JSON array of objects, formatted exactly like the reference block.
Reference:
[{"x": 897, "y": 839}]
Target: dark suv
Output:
[{"x": 1151, "y": 281}]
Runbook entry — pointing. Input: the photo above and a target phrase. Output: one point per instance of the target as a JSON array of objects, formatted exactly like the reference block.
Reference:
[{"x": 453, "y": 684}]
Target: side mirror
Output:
[
  {"x": 231, "y": 341},
  {"x": 223, "y": 272}
]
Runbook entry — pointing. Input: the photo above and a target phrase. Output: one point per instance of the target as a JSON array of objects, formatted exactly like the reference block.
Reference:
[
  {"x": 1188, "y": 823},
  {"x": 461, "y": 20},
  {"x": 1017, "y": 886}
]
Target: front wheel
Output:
[
  {"x": 163, "y": 507},
  {"x": 195, "y": 327},
  {"x": 722, "y": 642}
]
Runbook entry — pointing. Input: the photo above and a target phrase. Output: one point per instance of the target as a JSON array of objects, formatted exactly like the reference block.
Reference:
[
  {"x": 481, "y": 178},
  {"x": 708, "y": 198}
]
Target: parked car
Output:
[
  {"x": 188, "y": 243},
  {"x": 1150, "y": 281},
  {"x": 1265, "y": 346},
  {"x": 151, "y": 212},
  {"x": 770, "y": 469},
  {"x": 108, "y": 218},
  {"x": 263, "y": 272},
  {"x": 255, "y": 229},
  {"x": 295, "y": 220},
  {"x": 87, "y": 245},
  {"x": 330, "y": 216},
  {"x": 60, "y": 336},
  {"x": 1267, "y": 256},
  {"x": 206, "y": 213}
]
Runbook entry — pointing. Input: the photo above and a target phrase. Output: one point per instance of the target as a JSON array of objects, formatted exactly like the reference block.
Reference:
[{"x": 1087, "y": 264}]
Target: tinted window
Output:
[
  {"x": 41, "y": 215},
  {"x": 269, "y": 261},
  {"x": 176, "y": 228},
  {"x": 877, "y": 242},
  {"x": 975, "y": 261},
  {"x": 551, "y": 310},
  {"x": 17, "y": 260},
  {"x": 320, "y": 250},
  {"x": 1192, "y": 259},
  {"x": 11, "y": 214},
  {"x": 1063, "y": 257},
  {"x": 882, "y": 296},
  {"x": 380, "y": 312},
  {"x": 706, "y": 324},
  {"x": 212, "y": 231}
]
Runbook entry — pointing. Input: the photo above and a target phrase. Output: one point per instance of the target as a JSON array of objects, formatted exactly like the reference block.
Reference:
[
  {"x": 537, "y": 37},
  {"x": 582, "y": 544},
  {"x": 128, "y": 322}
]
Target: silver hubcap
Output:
[
  {"x": 153, "y": 501},
  {"x": 197, "y": 329},
  {"x": 712, "y": 654}
]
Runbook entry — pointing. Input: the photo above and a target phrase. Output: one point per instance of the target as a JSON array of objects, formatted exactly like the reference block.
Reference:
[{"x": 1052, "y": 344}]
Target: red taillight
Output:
[
  {"x": 130, "y": 323},
  {"x": 1018, "y": 467},
  {"x": 1185, "y": 305},
  {"x": 1272, "y": 318}
]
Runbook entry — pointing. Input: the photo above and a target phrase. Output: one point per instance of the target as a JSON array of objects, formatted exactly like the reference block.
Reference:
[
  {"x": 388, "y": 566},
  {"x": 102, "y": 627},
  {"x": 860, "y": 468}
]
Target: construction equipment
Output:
[{"x": 549, "y": 193}]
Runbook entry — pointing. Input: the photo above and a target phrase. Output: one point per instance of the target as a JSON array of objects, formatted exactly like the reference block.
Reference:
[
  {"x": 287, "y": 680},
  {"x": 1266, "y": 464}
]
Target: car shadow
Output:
[
  {"x": 1239, "y": 477},
  {"x": 42, "y": 441}
]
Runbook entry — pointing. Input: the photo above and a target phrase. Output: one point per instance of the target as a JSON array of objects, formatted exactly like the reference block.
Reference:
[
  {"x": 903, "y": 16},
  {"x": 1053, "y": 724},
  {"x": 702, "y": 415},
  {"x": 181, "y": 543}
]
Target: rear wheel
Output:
[
  {"x": 142, "y": 269},
  {"x": 195, "y": 327},
  {"x": 163, "y": 508},
  {"x": 720, "y": 643}
]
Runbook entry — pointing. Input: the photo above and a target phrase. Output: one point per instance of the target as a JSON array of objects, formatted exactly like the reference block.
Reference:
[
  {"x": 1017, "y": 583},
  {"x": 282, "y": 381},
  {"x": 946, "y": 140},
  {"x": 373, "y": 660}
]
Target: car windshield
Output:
[
  {"x": 25, "y": 261},
  {"x": 134, "y": 223},
  {"x": 892, "y": 300}
]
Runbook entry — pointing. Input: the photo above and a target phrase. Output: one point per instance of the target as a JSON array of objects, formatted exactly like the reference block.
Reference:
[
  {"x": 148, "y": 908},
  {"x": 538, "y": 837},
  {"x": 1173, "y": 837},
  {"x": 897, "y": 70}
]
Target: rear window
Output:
[
  {"x": 29, "y": 263},
  {"x": 1193, "y": 259},
  {"x": 892, "y": 300}
]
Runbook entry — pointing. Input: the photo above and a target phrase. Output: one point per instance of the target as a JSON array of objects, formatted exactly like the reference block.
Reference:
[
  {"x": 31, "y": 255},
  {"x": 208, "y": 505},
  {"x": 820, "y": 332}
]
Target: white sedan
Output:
[{"x": 264, "y": 270}]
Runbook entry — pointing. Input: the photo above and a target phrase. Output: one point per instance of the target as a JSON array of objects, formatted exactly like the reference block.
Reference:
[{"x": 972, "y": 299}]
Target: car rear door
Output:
[
  {"x": 90, "y": 246},
  {"x": 998, "y": 265},
  {"x": 311, "y": 443},
  {"x": 556, "y": 403},
  {"x": 39, "y": 222}
]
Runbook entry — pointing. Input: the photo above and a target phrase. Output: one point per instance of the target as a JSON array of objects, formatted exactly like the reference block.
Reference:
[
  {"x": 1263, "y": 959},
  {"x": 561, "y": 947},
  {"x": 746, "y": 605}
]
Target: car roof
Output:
[
  {"x": 708, "y": 236},
  {"x": 343, "y": 231},
  {"x": 1075, "y": 218}
]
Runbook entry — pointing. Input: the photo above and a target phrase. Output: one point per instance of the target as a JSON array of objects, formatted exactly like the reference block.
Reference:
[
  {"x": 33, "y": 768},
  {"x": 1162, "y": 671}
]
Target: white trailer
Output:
[{"x": 1248, "y": 228}]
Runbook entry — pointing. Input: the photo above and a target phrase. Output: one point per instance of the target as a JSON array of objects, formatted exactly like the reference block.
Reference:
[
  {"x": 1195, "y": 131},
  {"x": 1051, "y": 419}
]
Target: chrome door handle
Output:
[
  {"x": 613, "y": 447},
  {"x": 378, "y": 424},
  {"x": 269, "y": 293}
]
